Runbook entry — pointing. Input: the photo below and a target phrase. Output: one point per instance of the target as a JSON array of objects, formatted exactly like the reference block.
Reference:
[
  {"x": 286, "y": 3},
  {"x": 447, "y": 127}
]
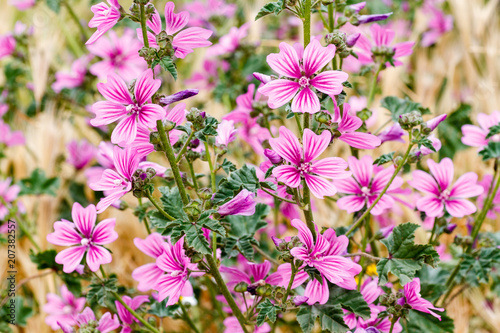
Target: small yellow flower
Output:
[{"x": 371, "y": 270}]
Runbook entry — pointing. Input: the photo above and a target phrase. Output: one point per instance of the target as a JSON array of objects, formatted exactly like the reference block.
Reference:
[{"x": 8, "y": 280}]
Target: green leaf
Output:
[
  {"x": 38, "y": 184},
  {"x": 492, "y": 150},
  {"x": 476, "y": 268},
  {"x": 398, "y": 106},
  {"x": 405, "y": 257},
  {"x": 426, "y": 142},
  {"x": 330, "y": 317},
  {"x": 268, "y": 185},
  {"x": 194, "y": 237},
  {"x": 493, "y": 130},
  {"x": 160, "y": 309},
  {"x": 209, "y": 223},
  {"x": 421, "y": 322},
  {"x": 172, "y": 202},
  {"x": 269, "y": 171},
  {"x": 248, "y": 225},
  {"x": 270, "y": 8},
  {"x": 266, "y": 310},
  {"x": 168, "y": 65},
  {"x": 242, "y": 178},
  {"x": 54, "y": 5},
  {"x": 450, "y": 131},
  {"x": 384, "y": 159},
  {"x": 228, "y": 166},
  {"x": 21, "y": 313},
  {"x": 99, "y": 292},
  {"x": 350, "y": 300}
]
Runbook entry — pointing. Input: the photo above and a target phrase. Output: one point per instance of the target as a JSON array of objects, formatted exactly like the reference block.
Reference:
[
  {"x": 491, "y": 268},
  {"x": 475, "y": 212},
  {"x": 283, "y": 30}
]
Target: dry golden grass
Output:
[{"x": 468, "y": 58}]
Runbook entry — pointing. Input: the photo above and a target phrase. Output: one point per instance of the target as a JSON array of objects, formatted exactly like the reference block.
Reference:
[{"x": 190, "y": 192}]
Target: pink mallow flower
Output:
[
  {"x": 226, "y": 133},
  {"x": 438, "y": 196},
  {"x": 10, "y": 138},
  {"x": 302, "y": 164},
  {"x": 22, "y": 5},
  {"x": 347, "y": 126},
  {"x": 382, "y": 41},
  {"x": 233, "y": 326},
  {"x": 119, "y": 55},
  {"x": 61, "y": 310},
  {"x": 251, "y": 273},
  {"x": 365, "y": 186},
  {"x": 8, "y": 193},
  {"x": 176, "y": 267},
  {"x": 413, "y": 298},
  {"x": 486, "y": 183},
  {"x": 117, "y": 183},
  {"x": 73, "y": 78},
  {"x": 7, "y": 45},
  {"x": 105, "y": 18},
  {"x": 126, "y": 317},
  {"x": 229, "y": 43},
  {"x": 120, "y": 106},
  {"x": 80, "y": 153},
  {"x": 203, "y": 10},
  {"x": 242, "y": 204},
  {"x": 299, "y": 81},
  {"x": 84, "y": 236},
  {"x": 148, "y": 274},
  {"x": 438, "y": 24},
  {"x": 475, "y": 136},
  {"x": 87, "y": 319},
  {"x": 183, "y": 41}
]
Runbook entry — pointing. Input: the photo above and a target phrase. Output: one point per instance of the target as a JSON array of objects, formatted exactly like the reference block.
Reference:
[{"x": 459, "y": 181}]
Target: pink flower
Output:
[
  {"x": 302, "y": 165},
  {"x": 486, "y": 183},
  {"x": 437, "y": 195},
  {"x": 242, "y": 204},
  {"x": 119, "y": 55},
  {"x": 365, "y": 186},
  {"x": 298, "y": 68},
  {"x": 125, "y": 316},
  {"x": 347, "y": 126},
  {"x": 104, "y": 157},
  {"x": 8, "y": 193},
  {"x": 22, "y": 4},
  {"x": 73, "y": 78},
  {"x": 208, "y": 77},
  {"x": 233, "y": 326},
  {"x": 230, "y": 42},
  {"x": 175, "y": 265},
  {"x": 475, "y": 136},
  {"x": 10, "y": 138},
  {"x": 382, "y": 40},
  {"x": 148, "y": 274},
  {"x": 120, "y": 106},
  {"x": 61, "y": 310},
  {"x": 117, "y": 183},
  {"x": 413, "y": 298},
  {"x": 250, "y": 131},
  {"x": 105, "y": 325},
  {"x": 203, "y": 10},
  {"x": 250, "y": 273},
  {"x": 436, "y": 143},
  {"x": 226, "y": 133},
  {"x": 183, "y": 41},
  {"x": 393, "y": 133},
  {"x": 80, "y": 153},
  {"x": 7, "y": 45},
  {"x": 438, "y": 24},
  {"x": 86, "y": 236},
  {"x": 105, "y": 18}
]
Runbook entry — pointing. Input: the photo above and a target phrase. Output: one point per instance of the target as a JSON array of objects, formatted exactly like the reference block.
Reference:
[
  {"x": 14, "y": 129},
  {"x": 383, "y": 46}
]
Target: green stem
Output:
[
  {"x": 169, "y": 153},
  {"x": 331, "y": 19},
  {"x": 400, "y": 166},
  {"x": 77, "y": 21},
  {"x": 225, "y": 291},
  {"x": 393, "y": 322},
  {"x": 277, "y": 196},
  {"x": 308, "y": 211},
  {"x": 297, "y": 119},
  {"x": 373, "y": 86},
  {"x": 214, "y": 245},
  {"x": 290, "y": 283},
  {"x": 26, "y": 232},
  {"x": 143, "y": 26},
  {"x": 135, "y": 314},
  {"x": 103, "y": 272},
  {"x": 193, "y": 175},
  {"x": 364, "y": 242},
  {"x": 160, "y": 209},
  {"x": 146, "y": 223},
  {"x": 211, "y": 166},
  {"x": 187, "y": 318},
  {"x": 184, "y": 148},
  {"x": 307, "y": 22}
]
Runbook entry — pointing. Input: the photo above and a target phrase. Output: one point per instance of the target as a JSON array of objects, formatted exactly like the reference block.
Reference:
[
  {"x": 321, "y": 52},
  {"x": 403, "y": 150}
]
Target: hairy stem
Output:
[
  {"x": 307, "y": 22},
  {"x": 135, "y": 314},
  {"x": 160, "y": 209},
  {"x": 290, "y": 283},
  {"x": 225, "y": 291},
  {"x": 373, "y": 86},
  {"x": 331, "y": 18},
  {"x": 184, "y": 148},
  {"x": 211, "y": 166},
  {"x": 143, "y": 26},
  {"x": 188, "y": 319}
]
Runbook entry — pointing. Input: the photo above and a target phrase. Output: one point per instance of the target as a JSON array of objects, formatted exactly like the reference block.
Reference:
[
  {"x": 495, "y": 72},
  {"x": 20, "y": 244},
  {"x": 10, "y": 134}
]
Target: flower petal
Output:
[
  {"x": 125, "y": 132},
  {"x": 442, "y": 172},
  {"x": 115, "y": 90},
  {"x": 331, "y": 167},
  {"x": 286, "y": 62},
  {"x": 314, "y": 145},
  {"x": 317, "y": 291},
  {"x": 320, "y": 187},
  {"x": 145, "y": 87},
  {"x": 174, "y": 22},
  {"x": 466, "y": 186},
  {"x": 316, "y": 57},
  {"x": 287, "y": 174},
  {"x": 306, "y": 101},
  {"x": 287, "y": 146},
  {"x": 361, "y": 169},
  {"x": 97, "y": 256},
  {"x": 330, "y": 82},
  {"x": 280, "y": 92},
  {"x": 70, "y": 258},
  {"x": 104, "y": 232},
  {"x": 460, "y": 207},
  {"x": 84, "y": 218}
]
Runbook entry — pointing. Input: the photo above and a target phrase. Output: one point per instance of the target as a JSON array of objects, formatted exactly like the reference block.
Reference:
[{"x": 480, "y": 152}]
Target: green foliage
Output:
[
  {"x": 237, "y": 180},
  {"x": 398, "y": 106},
  {"x": 271, "y": 8},
  {"x": 492, "y": 150},
  {"x": 331, "y": 314},
  {"x": 38, "y": 183},
  {"x": 450, "y": 131},
  {"x": 476, "y": 268},
  {"x": 426, "y": 142},
  {"x": 167, "y": 64},
  {"x": 209, "y": 129},
  {"x": 384, "y": 159},
  {"x": 267, "y": 310},
  {"x": 228, "y": 166},
  {"x": 172, "y": 202},
  {"x": 493, "y": 130},
  {"x": 160, "y": 309},
  {"x": 99, "y": 292},
  {"x": 421, "y": 322},
  {"x": 405, "y": 257},
  {"x": 54, "y": 5},
  {"x": 22, "y": 313}
]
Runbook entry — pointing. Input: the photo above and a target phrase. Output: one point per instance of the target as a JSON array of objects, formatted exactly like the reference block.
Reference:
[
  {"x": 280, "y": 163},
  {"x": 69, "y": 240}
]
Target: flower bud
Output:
[
  {"x": 162, "y": 39},
  {"x": 336, "y": 38},
  {"x": 272, "y": 156},
  {"x": 205, "y": 193},
  {"x": 352, "y": 39},
  {"x": 410, "y": 120},
  {"x": 397, "y": 161},
  {"x": 322, "y": 117},
  {"x": 193, "y": 209},
  {"x": 241, "y": 287},
  {"x": 450, "y": 228},
  {"x": 169, "y": 125}
]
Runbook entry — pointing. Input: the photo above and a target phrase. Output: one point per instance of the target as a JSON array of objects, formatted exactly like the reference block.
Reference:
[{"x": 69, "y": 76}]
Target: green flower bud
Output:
[
  {"x": 322, "y": 117},
  {"x": 241, "y": 287}
]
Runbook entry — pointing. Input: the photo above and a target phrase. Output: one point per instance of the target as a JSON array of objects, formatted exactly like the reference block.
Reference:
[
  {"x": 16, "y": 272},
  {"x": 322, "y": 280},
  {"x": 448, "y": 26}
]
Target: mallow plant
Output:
[{"x": 231, "y": 202}]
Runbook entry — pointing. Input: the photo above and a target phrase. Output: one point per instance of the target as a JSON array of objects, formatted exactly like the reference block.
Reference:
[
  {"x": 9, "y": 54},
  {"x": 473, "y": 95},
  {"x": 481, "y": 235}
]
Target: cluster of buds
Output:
[
  {"x": 135, "y": 10},
  {"x": 197, "y": 118},
  {"x": 90, "y": 327},
  {"x": 141, "y": 181},
  {"x": 383, "y": 54},
  {"x": 285, "y": 245},
  {"x": 464, "y": 241},
  {"x": 396, "y": 304},
  {"x": 410, "y": 120},
  {"x": 342, "y": 42},
  {"x": 259, "y": 288}
]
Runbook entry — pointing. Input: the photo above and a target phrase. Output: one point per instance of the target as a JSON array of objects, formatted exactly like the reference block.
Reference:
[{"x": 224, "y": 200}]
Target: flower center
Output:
[
  {"x": 176, "y": 273},
  {"x": 304, "y": 168},
  {"x": 132, "y": 108},
  {"x": 304, "y": 82},
  {"x": 445, "y": 195},
  {"x": 85, "y": 241},
  {"x": 366, "y": 191},
  {"x": 67, "y": 309}
]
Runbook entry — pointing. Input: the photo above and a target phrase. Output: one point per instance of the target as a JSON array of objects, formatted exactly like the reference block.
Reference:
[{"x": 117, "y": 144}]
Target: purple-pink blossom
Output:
[
  {"x": 61, "y": 310},
  {"x": 105, "y": 18},
  {"x": 74, "y": 77},
  {"x": 203, "y": 10},
  {"x": 148, "y": 274},
  {"x": 8, "y": 193},
  {"x": 7, "y": 45},
  {"x": 80, "y": 153},
  {"x": 438, "y": 24},
  {"x": 22, "y": 5},
  {"x": 242, "y": 204},
  {"x": 475, "y": 136},
  {"x": 440, "y": 194},
  {"x": 347, "y": 126},
  {"x": 230, "y": 42},
  {"x": 125, "y": 316},
  {"x": 130, "y": 113},
  {"x": 364, "y": 187},
  {"x": 183, "y": 41},
  {"x": 299, "y": 82},
  {"x": 10, "y": 138},
  {"x": 226, "y": 133},
  {"x": 106, "y": 323},
  {"x": 413, "y": 298},
  {"x": 84, "y": 237},
  {"x": 302, "y": 164}
]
